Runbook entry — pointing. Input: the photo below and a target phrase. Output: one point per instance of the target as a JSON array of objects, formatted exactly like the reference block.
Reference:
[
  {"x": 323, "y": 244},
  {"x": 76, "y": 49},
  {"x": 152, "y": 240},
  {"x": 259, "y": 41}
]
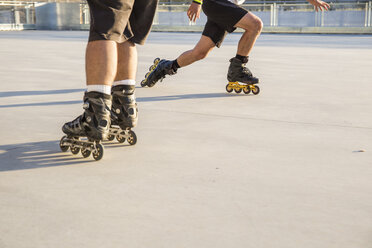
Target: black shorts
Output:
[
  {"x": 222, "y": 17},
  {"x": 121, "y": 20}
]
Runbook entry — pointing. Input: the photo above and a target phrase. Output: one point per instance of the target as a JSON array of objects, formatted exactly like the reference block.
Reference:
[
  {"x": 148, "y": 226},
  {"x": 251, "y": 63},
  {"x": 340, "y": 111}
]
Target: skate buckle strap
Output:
[
  {"x": 75, "y": 124},
  {"x": 86, "y": 105}
]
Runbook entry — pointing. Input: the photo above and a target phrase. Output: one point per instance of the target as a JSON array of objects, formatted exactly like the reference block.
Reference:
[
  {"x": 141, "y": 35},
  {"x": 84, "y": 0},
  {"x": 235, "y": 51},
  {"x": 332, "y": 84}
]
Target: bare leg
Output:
[
  {"x": 101, "y": 62},
  {"x": 168, "y": 67},
  {"x": 252, "y": 26},
  {"x": 200, "y": 51},
  {"x": 127, "y": 61},
  {"x": 124, "y": 102}
]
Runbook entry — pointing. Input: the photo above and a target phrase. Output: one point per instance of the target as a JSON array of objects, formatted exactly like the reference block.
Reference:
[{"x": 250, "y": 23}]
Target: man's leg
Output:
[
  {"x": 101, "y": 62},
  {"x": 252, "y": 26},
  {"x": 237, "y": 69},
  {"x": 127, "y": 61},
  {"x": 169, "y": 67},
  {"x": 200, "y": 51},
  {"x": 124, "y": 104}
]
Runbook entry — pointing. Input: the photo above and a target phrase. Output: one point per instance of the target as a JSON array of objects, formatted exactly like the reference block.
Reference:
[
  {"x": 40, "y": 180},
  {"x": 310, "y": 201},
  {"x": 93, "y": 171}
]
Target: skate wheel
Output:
[
  {"x": 132, "y": 139},
  {"x": 110, "y": 137},
  {"x": 63, "y": 148},
  {"x": 75, "y": 150},
  {"x": 229, "y": 88},
  {"x": 256, "y": 90},
  {"x": 238, "y": 90},
  {"x": 143, "y": 83},
  {"x": 120, "y": 139},
  {"x": 156, "y": 60},
  {"x": 98, "y": 153},
  {"x": 147, "y": 74},
  {"x": 86, "y": 153},
  {"x": 247, "y": 90}
]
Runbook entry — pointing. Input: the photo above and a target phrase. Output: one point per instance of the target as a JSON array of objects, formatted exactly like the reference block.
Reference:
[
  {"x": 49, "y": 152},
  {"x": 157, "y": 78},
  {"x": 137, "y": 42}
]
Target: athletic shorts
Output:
[
  {"x": 121, "y": 20},
  {"x": 222, "y": 15}
]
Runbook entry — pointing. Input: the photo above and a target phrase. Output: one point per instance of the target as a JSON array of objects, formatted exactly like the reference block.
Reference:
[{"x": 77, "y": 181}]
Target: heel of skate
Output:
[{"x": 246, "y": 88}]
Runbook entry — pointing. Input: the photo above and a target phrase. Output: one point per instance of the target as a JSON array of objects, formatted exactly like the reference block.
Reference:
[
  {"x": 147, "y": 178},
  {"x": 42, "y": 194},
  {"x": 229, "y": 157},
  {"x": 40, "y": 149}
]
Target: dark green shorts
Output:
[
  {"x": 121, "y": 20},
  {"x": 222, "y": 17}
]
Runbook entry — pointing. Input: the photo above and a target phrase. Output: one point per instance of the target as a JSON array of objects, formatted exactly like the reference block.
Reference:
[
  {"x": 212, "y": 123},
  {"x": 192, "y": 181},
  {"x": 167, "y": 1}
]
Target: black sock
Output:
[
  {"x": 243, "y": 59},
  {"x": 175, "y": 65}
]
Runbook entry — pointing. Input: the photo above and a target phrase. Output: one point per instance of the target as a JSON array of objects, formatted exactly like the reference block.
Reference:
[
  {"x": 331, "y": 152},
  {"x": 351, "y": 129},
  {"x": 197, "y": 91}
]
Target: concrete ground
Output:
[{"x": 290, "y": 167}]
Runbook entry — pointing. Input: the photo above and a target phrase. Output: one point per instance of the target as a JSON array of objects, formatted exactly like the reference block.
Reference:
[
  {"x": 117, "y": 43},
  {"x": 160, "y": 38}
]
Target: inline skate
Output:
[
  {"x": 157, "y": 72},
  {"x": 124, "y": 114},
  {"x": 238, "y": 72},
  {"x": 86, "y": 132}
]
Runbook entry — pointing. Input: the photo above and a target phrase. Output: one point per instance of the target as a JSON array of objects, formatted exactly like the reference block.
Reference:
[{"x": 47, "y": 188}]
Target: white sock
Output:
[
  {"x": 125, "y": 82},
  {"x": 106, "y": 89}
]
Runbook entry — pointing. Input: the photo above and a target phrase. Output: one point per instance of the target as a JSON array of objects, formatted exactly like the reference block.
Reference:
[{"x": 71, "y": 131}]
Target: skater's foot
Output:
[
  {"x": 94, "y": 123},
  {"x": 238, "y": 72},
  {"x": 164, "y": 67},
  {"x": 75, "y": 127},
  {"x": 124, "y": 112}
]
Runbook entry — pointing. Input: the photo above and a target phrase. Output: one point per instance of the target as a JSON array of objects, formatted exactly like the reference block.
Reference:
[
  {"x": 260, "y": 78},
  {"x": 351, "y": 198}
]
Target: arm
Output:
[
  {"x": 319, "y": 5},
  {"x": 194, "y": 10}
]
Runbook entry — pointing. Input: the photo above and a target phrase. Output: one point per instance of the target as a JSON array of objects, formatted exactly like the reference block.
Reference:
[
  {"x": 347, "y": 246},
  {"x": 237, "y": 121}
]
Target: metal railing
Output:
[
  {"x": 283, "y": 15},
  {"x": 14, "y": 14}
]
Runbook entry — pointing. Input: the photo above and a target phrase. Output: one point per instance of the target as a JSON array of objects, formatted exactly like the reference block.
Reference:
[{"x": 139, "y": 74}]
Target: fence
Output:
[
  {"x": 354, "y": 17},
  {"x": 16, "y": 15},
  {"x": 280, "y": 16}
]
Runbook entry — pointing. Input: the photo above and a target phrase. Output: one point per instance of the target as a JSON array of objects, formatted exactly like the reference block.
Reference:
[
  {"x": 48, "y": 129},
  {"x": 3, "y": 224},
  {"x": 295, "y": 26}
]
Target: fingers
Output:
[
  {"x": 326, "y": 6},
  {"x": 322, "y": 6},
  {"x": 188, "y": 14},
  {"x": 195, "y": 17},
  {"x": 193, "y": 12}
]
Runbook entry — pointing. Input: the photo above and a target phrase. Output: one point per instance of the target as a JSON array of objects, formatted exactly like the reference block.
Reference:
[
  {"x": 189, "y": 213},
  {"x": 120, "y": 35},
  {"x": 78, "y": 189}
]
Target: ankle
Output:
[
  {"x": 175, "y": 65},
  {"x": 243, "y": 59}
]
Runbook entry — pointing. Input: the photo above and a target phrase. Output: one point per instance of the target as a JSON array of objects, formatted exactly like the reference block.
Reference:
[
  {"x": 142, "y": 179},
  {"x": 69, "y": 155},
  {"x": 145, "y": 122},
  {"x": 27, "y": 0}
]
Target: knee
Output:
[
  {"x": 256, "y": 26},
  {"x": 200, "y": 54}
]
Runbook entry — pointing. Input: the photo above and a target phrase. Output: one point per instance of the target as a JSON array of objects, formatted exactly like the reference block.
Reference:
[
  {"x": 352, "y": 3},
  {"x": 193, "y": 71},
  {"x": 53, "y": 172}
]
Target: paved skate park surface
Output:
[{"x": 290, "y": 167}]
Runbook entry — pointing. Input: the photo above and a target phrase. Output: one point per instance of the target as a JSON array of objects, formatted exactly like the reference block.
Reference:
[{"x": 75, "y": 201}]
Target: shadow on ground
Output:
[
  {"x": 37, "y": 92},
  {"x": 42, "y": 154},
  {"x": 139, "y": 99},
  {"x": 35, "y": 155}
]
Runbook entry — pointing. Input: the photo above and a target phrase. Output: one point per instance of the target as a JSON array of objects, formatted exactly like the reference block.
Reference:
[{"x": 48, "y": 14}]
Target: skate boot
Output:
[
  {"x": 238, "y": 72},
  {"x": 124, "y": 114},
  {"x": 93, "y": 124},
  {"x": 157, "y": 72}
]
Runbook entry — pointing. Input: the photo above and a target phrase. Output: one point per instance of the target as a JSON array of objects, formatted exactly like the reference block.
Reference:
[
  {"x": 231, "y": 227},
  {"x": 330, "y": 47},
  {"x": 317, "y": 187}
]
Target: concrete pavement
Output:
[{"x": 290, "y": 167}]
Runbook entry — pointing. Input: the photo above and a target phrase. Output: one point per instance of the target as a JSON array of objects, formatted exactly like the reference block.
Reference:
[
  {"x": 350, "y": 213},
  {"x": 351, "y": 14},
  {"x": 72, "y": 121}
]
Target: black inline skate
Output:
[
  {"x": 124, "y": 114},
  {"x": 238, "y": 72},
  {"x": 93, "y": 125},
  {"x": 157, "y": 72}
]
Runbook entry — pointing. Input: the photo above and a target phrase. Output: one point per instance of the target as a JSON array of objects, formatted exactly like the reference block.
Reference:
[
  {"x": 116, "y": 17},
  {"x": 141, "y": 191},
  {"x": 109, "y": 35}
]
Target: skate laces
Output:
[
  {"x": 246, "y": 70},
  {"x": 76, "y": 123}
]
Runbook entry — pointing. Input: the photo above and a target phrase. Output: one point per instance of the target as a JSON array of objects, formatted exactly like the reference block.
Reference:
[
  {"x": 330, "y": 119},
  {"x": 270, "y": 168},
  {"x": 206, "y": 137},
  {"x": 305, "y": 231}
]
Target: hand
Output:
[
  {"x": 194, "y": 12},
  {"x": 319, "y": 5}
]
